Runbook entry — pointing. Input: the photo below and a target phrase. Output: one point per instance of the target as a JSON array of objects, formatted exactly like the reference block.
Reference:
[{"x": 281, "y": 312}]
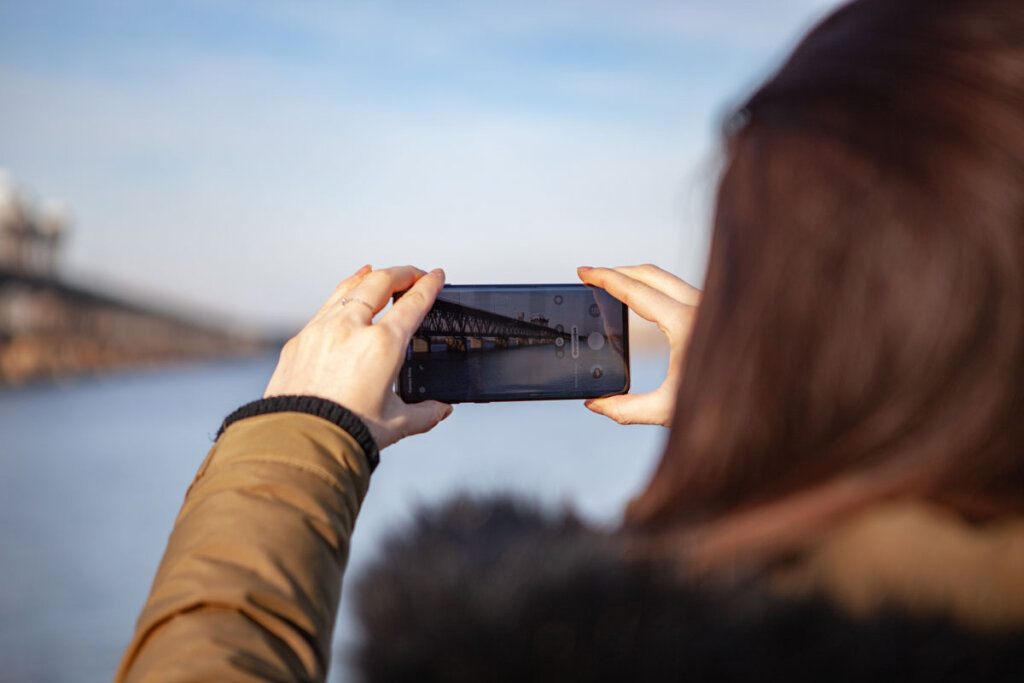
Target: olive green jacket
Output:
[{"x": 249, "y": 584}]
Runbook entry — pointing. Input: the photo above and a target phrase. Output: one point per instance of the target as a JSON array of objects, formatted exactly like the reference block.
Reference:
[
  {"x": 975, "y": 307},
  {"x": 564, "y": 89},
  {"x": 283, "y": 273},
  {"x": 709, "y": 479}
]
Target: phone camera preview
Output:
[{"x": 484, "y": 343}]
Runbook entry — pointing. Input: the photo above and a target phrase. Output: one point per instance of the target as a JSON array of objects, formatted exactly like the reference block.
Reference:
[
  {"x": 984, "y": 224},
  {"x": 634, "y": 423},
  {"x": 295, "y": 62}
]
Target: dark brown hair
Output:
[{"x": 861, "y": 333}]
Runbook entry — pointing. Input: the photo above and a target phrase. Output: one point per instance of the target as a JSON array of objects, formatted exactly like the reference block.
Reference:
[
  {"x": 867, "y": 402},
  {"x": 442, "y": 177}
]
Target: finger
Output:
[
  {"x": 378, "y": 286},
  {"x": 645, "y": 300},
  {"x": 628, "y": 409},
  {"x": 663, "y": 281},
  {"x": 408, "y": 312},
  {"x": 418, "y": 418},
  {"x": 342, "y": 289}
]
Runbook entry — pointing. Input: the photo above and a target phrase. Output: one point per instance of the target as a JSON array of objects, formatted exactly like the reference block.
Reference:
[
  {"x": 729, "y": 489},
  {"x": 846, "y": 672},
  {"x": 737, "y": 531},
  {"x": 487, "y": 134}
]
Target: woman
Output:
[{"x": 842, "y": 494}]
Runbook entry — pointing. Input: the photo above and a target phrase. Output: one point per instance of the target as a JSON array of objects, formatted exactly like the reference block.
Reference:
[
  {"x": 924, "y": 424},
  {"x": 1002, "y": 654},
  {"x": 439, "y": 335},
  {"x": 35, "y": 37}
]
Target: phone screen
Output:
[{"x": 518, "y": 342}]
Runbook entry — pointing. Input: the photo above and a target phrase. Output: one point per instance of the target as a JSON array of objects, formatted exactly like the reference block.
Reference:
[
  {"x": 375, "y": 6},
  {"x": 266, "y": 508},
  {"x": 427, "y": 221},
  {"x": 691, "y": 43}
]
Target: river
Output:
[{"x": 93, "y": 471}]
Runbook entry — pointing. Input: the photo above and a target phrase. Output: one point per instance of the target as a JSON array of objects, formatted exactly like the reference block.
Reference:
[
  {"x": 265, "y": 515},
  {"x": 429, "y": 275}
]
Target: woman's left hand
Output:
[
  {"x": 343, "y": 356},
  {"x": 664, "y": 299}
]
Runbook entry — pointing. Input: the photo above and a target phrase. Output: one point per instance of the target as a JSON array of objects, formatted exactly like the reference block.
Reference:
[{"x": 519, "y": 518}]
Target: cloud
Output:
[{"x": 443, "y": 27}]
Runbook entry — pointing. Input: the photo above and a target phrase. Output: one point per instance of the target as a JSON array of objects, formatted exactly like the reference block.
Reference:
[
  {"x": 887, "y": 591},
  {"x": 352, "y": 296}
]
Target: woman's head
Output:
[{"x": 862, "y": 325}]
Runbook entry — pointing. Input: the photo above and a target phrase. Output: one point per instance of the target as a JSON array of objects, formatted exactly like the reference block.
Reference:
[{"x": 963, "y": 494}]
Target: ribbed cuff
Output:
[{"x": 311, "y": 405}]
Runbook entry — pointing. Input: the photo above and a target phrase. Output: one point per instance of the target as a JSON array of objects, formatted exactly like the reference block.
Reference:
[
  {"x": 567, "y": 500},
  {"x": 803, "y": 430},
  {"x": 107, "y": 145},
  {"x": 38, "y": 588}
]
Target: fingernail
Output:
[
  {"x": 437, "y": 271},
  {"x": 584, "y": 268},
  {"x": 447, "y": 412},
  {"x": 588, "y": 402}
]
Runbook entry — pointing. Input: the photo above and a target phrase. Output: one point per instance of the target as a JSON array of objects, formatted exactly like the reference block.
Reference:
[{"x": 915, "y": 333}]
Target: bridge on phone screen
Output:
[{"x": 451, "y": 320}]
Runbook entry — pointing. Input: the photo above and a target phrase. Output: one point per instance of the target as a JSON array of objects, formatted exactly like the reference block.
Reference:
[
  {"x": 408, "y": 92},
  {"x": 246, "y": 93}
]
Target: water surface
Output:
[{"x": 93, "y": 471}]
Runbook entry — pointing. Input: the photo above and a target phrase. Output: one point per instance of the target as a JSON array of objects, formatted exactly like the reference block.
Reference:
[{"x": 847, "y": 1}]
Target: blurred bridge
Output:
[{"x": 49, "y": 327}]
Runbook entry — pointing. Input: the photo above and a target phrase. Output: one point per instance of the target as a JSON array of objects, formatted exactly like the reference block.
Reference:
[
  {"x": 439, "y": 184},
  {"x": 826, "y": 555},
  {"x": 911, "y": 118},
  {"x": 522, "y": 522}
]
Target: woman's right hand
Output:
[
  {"x": 664, "y": 299},
  {"x": 343, "y": 355}
]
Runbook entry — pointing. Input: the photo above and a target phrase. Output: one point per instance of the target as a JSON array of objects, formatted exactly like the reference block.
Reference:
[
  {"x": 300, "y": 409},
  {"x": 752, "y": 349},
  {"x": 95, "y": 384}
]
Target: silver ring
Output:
[{"x": 349, "y": 299}]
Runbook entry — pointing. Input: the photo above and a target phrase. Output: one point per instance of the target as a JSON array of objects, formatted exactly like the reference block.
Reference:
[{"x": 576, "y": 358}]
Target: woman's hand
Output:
[
  {"x": 664, "y": 299},
  {"x": 341, "y": 355}
]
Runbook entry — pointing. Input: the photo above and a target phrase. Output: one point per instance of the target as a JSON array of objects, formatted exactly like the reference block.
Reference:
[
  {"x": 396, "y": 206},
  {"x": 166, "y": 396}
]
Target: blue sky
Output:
[{"x": 242, "y": 156}]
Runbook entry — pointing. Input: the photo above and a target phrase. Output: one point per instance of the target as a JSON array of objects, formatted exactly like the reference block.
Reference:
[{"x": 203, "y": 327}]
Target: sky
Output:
[{"x": 240, "y": 157}]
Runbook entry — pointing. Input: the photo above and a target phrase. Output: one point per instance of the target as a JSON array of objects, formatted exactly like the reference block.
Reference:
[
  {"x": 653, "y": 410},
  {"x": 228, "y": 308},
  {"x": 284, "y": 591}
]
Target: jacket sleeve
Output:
[{"x": 249, "y": 584}]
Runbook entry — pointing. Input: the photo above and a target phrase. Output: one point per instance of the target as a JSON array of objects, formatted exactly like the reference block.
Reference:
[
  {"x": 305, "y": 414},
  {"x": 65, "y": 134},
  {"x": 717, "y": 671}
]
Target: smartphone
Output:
[{"x": 482, "y": 343}]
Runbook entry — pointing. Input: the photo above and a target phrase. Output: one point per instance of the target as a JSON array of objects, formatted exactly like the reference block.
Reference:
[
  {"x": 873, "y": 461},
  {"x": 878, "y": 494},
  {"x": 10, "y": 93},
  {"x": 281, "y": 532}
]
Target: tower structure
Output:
[{"x": 30, "y": 238}]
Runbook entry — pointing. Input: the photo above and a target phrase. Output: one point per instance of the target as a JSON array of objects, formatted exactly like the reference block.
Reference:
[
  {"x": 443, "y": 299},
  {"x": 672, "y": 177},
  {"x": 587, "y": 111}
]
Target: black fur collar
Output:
[{"x": 495, "y": 590}]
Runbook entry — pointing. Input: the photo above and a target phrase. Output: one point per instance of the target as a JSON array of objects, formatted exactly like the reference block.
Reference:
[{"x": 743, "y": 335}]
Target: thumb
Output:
[
  {"x": 628, "y": 409},
  {"x": 422, "y": 417}
]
